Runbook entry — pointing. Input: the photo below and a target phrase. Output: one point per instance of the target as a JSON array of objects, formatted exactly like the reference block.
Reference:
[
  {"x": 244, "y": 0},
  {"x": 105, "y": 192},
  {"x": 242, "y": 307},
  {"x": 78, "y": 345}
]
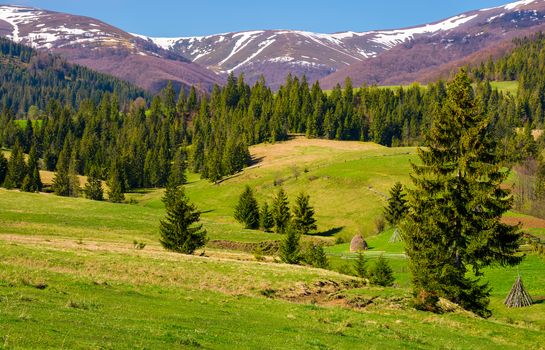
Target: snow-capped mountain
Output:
[
  {"x": 275, "y": 53},
  {"x": 382, "y": 56},
  {"x": 107, "y": 49},
  {"x": 427, "y": 57}
]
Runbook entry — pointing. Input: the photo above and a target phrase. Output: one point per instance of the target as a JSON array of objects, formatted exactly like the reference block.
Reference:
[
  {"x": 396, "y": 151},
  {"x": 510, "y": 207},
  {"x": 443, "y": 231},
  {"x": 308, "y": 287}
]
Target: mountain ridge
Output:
[{"x": 102, "y": 47}]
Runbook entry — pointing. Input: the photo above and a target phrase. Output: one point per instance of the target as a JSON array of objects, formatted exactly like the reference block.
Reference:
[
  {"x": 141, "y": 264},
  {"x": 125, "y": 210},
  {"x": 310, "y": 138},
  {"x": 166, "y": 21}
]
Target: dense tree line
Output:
[
  {"x": 30, "y": 79},
  {"x": 151, "y": 144},
  {"x": 525, "y": 64}
]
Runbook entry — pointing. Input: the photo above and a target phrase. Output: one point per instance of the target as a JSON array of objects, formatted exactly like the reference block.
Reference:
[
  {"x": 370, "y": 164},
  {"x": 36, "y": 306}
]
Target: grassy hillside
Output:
[
  {"x": 511, "y": 87},
  {"x": 71, "y": 277}
]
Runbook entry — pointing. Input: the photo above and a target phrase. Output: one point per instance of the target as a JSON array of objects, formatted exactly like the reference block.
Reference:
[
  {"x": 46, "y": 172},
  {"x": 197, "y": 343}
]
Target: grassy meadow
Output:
[{"x": 71, "y": 277}]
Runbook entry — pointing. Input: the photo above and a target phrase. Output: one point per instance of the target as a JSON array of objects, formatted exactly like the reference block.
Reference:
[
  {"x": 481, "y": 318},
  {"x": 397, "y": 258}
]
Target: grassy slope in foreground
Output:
[
  {"x": 87, "y": 293},
  {"x": 102, "y": 292}
]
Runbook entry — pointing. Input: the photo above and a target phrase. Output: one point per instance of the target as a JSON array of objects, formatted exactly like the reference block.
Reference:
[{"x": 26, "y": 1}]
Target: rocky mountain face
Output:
[{"x": 102, "y": 47}]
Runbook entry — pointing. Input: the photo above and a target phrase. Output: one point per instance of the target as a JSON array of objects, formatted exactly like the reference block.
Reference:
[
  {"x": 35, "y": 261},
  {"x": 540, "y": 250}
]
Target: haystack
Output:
[
  {"x": 518, "y": 297},
  {"x": 358, "y": 244},
  {"x": 396, "y": 237}
]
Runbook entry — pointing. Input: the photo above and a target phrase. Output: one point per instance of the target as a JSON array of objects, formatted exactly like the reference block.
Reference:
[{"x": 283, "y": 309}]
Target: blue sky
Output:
[{"x": 201, "y": 17}]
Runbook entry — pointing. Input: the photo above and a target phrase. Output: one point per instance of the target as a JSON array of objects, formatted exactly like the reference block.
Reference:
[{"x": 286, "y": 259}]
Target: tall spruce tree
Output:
[
  {"x": 116, "y": 184},
  {"x": 61, "y": 181},
  {"x": 290, "y": 247},
  {"x": 397, "y": 205},
  {"x": 178, "y": 169},
  {"x": 16, "y": 171},
  {"x": 247, "y": 209},
  {"x": 3, "y": 168},
  {"x": 74, "y": 188},
  {"x": 32, "y": 181},
  {"x": 179, "y": 230},
  {"x": 281, "y": 212},
  {"x": 303, "y": 215},
  {"x": 266, "y": 218},
  {"x": 93, "y": 188},
  {"x": 453, "y": 224}
]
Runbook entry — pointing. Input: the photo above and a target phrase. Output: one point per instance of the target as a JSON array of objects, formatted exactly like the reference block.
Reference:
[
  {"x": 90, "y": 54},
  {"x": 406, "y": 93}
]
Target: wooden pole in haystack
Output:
[{"x": 518, "y": 297}]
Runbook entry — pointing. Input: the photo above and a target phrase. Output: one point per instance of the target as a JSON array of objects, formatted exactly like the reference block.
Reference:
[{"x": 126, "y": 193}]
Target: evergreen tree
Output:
[
  {"x": 397, "y": 205},
  {"x": 61, "y": 181},
  {"x": 32, "y": 181},
  {"x": 16, "y": 171},
  {"x": 303, "y": 215},
  {"x": 116, "y": 185},
  {"x": 290, "y": 247},
  {"x": 3, "y": 168},
  {"x": 178, "y": 231},
  {"x": 281, "y": 212},
  {"x": 178, "y": 170},
  {"x": 360, "y": 265},
  {"x": 74, "y": 188},
  {"x": 453, "y": 223},
  {"x": 315, "y": 255},
  {"x": 247, "y": 209},
  {"x": 382, "y": 274},
  {"x": 266, "y": 218},
  {"x": 93, "y": 188}
]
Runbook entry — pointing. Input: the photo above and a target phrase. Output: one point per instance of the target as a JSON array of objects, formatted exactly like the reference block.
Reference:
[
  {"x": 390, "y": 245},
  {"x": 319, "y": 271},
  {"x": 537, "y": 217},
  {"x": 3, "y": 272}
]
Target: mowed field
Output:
[{"x": 71, "y": 277}]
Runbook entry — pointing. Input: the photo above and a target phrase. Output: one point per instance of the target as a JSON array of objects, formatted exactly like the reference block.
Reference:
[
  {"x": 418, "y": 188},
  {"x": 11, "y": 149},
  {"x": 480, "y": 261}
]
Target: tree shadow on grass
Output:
[{"x": 329, "y": 233}]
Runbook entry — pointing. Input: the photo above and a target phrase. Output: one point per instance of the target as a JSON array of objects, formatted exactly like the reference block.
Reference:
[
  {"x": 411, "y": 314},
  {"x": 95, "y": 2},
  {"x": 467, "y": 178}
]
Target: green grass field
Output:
[
  {"x": 70, "y": 276},
  {"x": 503, "y": 86}
]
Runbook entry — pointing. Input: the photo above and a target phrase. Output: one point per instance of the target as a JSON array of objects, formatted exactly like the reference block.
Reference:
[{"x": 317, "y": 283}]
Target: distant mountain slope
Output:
[
  {"x": 426, "y": 58},
  {"x": 383, "y": 56},
  {"x": 275, "y": 53},
  {"x": 100, "y": 46},
  {"x": 28, "y": 77}
]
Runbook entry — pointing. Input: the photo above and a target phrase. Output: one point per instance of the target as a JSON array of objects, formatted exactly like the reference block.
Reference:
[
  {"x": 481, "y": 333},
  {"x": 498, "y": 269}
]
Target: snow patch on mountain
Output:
[
  {"x": 514, "y": 5},
  {"x": 16, "y": 15},
  {"x": 262, "y": 46},
  {"x": 395, "y": 37},
  {"x": 245, "y": 39}
]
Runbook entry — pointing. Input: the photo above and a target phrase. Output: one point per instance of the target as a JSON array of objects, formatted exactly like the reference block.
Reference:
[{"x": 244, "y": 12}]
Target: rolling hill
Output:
[{"x": 67, "y": 261}]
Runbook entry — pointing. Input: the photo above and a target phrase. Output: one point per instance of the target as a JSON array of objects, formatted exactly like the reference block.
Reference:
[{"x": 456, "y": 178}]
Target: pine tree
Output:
[
  {"x": 397, "y": 205},
  {"x": 290, "y": 247},
  {"x": 266, "y": 218},
  {"x": 281, "y": 212},
  {"x": 61, "y": 181},
  {"x": 16, "y": 171},
  {"x": 303, "y": 215},
  {"x": 247, "y": 209},
  {"x": 32, "y": 181},
  {"x": 315, "y": 255},
  {"x": 178, "y": 170},
  {"x": 116, "y": 185},
  {"x": 74, "y": 188},
  {"x": 3, "y": 168},
  {"x": 382, "y": 274},
  {"x": 360, "y": 265},
  {"x": 178, "y": 231},
  {"x": 453, "y": 223},
  {"x": 93, "y": 188}
]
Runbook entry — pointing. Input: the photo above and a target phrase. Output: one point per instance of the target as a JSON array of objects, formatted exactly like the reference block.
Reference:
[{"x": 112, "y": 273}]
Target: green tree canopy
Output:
[
  {"x": 303, "y": 215},
  {"x": 179, "y": 230},
  {"x": 453, "y": 224},
  {"x": 247, "y": 209}
]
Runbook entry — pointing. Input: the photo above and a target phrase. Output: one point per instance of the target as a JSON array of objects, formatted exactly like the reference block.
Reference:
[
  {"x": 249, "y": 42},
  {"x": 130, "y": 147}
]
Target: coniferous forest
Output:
[{"x": 210, "y": 134}]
